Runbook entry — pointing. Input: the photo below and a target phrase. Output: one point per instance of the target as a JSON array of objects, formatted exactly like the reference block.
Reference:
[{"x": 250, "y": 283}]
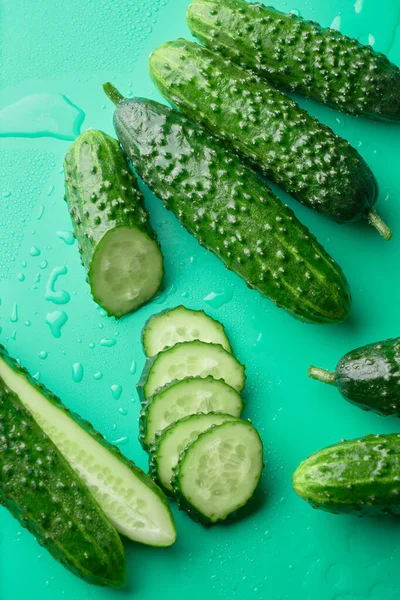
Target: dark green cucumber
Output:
[
  {"x": 303, "y": 156},
  {"x": 368, "y": 377},
  {"x": 300, "y": 56},
  {"x": 230, "y": 211},
  {"x": 360, "y": 476},
  {"x": 132, "y": 502},
  {"x": 117, "y": 245},
  {"x": 41, "y": 490}
]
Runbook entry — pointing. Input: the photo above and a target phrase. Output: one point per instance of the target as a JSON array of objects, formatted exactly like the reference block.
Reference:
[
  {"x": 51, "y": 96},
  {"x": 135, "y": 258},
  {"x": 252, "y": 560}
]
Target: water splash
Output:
[
  {"x": 56, "y": 296},
  {"x": 42, "y": 115},
  {"x": 56, "y": 321},
  {"x": 218, "y": 299},
  {"x": 77, "y": 372},
  {"x": 67, "y": 237},
  {"x": 116, "y": 391},
  {"x": 14, "y": 313}
]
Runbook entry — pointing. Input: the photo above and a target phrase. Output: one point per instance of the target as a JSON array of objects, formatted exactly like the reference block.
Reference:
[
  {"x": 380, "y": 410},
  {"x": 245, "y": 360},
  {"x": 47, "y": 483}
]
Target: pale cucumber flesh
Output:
[
  {"x": 126, "y": 270},
  {"x": 132, "y": 507},
  {"x": 187, "y": 397},
  {"x": 175, "y": 439},
  {"x": 182, "y": 325},
  {"x": 194, "y": 359},
  {"x": 219, "y": 472}
]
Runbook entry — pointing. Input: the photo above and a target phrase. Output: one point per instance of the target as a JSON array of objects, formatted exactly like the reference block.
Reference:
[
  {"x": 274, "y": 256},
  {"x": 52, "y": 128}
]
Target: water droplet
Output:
[
  {"x": 43, "y": 354},
  {"x": 40, "y": 212},
  {"x": 34, "y": 251},
  {"x": 218, "y": 299},
  {"x": 108, "y": 342},
  {"x": 6, "y": 194},
  {"x": 59, "y": 296},
  {"x": 358, "y": 6},
  {"x": 42, "y": 115},
  {"x": 56, "y": 320},
  {"x": 123, "y": 411},
  {"x": 14, "y": 335},
  {"x": 161, "y": 298},
  {"x": 27, "y": 323},
  {"x": 43, "y": 264},
  {"x": 21, "y": 277},
  {"x": 14, "y": 313},
  {"x": 132, "y": 368},
  {"x": 36, "y": 376},
  {"x": 116, "y": 391},
  {"x": 133, "y": 400},
  {"x": 120, "y": 441},
  {"x": 185, "y": 295},
  {"x": 336, "y": 23},
  {"x": 67, "y": 237},
  {"x": 91, "y": 345},
  {"x": 98, "y": 375},
  {"x": 23, "y": 264},
  {"x": 51, "y": 190},
  {"x": 295, "y": 12},
  {"x": 77, "y": 372}
]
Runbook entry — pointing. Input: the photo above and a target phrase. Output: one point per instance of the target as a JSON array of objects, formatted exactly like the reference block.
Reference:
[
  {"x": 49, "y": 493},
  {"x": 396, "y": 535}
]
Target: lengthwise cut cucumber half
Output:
[{"x": 132, "y": 502}]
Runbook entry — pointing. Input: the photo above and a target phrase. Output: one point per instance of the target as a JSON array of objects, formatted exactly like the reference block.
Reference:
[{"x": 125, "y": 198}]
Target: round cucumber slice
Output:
[
  {"x": 182, "y": 325},
  {"x": 183, "y": 398},
  {"x": 173, "y": 441},
  {"x": 126, "y": 270},
  {"x": 190, "y": 359},
  {"x": 218, "y": 473}
]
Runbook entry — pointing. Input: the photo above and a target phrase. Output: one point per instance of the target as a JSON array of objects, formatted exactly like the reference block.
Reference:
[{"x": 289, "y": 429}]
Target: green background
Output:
[{"x": 285, "y": 550}]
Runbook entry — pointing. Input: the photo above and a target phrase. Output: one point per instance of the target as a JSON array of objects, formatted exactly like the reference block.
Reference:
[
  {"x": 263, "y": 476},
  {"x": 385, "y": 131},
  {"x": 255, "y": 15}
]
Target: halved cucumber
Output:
[
  {"x": 190, "y": 359},
  {"x": 181, "y": 325},
  {"x": 187, "y": 397},
  {"x": 132, "y": 502},
  {"x": 174, "y": 439},
  {"x": 218, "y": 473}
]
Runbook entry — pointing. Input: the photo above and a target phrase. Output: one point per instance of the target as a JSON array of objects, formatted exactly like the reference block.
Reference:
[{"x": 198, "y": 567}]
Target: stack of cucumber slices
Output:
[{"x": 202, "y": 452}]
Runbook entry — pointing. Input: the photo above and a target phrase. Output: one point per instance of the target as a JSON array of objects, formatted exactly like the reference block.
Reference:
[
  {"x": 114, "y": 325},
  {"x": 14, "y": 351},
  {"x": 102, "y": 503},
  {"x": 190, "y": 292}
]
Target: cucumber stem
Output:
[
  {"x": 113, "y": 93},
  {"x": 322, "y": 375},
  {"x": 376, "y": 221}
]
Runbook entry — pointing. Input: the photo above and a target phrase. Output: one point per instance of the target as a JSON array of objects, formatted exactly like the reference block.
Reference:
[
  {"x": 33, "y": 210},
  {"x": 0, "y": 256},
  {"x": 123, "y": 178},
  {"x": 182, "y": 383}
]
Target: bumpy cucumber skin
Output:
[
  {"x": 143, "y": 417},
  {"x": 300, "y": 56},
  {"x": 231, "y": 212},
  {"x": 40, "y": 489},
  {"x": 359, "y": 476},
  {"x": 370, "y": 377},
  {"x": 185, "y": 505},
  {"x": 102, "y": 193},
  {"x": 114, "y": 450},
  {"x": 303, "y": 156},
  {"x": 176, "y": 308}
]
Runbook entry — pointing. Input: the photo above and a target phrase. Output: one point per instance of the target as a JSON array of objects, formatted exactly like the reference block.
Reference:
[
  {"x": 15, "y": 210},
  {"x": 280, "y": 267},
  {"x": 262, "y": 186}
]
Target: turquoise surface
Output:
[{"x": 55, "y": 57}]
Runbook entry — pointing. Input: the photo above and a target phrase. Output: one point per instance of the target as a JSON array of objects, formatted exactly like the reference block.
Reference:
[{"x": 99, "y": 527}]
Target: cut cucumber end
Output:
[
  {"x": 181, "y": 324},
  {"x": 126, "y": 270},
  {"x": 219, "y": 472},
  {"x": 187, "y": 397}
]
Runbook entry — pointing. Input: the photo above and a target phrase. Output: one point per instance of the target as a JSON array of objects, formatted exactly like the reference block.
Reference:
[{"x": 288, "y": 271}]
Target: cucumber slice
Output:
[
  {"x": 126, "y": 270},
  {"x": 174, "y": 439},
  {"x": 134, "y": 505},
  {"x": 218, "y": 473},
  {"x": 182, "y": 325},
  {"x": 190, "y": 359},
  {"x": 183, "y": 398}
]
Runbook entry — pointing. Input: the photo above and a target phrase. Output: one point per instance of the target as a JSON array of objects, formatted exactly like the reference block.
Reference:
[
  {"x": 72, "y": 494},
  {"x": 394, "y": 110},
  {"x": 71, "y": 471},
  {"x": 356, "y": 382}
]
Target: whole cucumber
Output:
[
  {"x": 368, "y": 377},
  {"x": 117, "y": 244},
  {"x": 303, "y": 156},
  {"x": 40, "y": 489},
  {"x": 230, "y": 211},
  {"x": 300, "y": 56},
  {"x": 358, "y": 476}
]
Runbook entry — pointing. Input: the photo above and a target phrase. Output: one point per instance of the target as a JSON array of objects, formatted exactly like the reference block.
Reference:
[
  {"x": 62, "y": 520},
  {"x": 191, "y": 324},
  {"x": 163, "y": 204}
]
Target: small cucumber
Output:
[
  {"x": 268, "y": 129},
  {"x": 358, "y": 476},
  {"x": 190, "y": 359},
  {"x": 117, "y": 245},
  {"x": 133, "y": 503},
  {"x": 186, "y": 397},
  {"x": 368, "y": 377},
  {"x": 300, "y": 56},
  {"x": 181, "y": 324},
  {"x": 230, "y": 211},
  {"x": 172, "y": 442},
  {"x": 218, "y": 473},
  {"x": 40, "y": 489}
]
